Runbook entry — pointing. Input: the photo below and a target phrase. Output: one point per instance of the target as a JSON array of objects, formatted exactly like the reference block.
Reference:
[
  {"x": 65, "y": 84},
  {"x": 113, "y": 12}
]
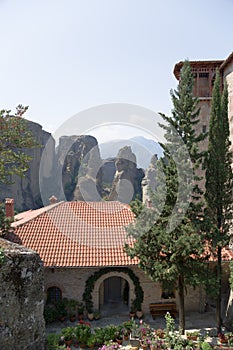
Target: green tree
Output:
[
  {"x": 219, "y": 181},
  {"x": 169, "y": 237},
  {"x": 15, "y": 138}
]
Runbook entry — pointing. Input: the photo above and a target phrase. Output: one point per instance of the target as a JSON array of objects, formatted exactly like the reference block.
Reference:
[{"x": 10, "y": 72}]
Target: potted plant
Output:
[
  {"x": 82, "y": 333},
  {"x": 72, "y": 307},
  {"x": 96, "y": 315},
  {"x": 54, "y": 341},
  {"x": 68, "y": 334},
  {"x": 80, "y": 311},
  {"x": 192, "y": 335},
  {"x": 132, "y": 310},
  {"x": 138, "y": 308},
  {"x": 128, "y": 325},
  {"x": 91, "y": 341},
  {"x": 61, "y": 307},
  {"x": 90, "y": 313},
  {"x": 222, "y": 338}
]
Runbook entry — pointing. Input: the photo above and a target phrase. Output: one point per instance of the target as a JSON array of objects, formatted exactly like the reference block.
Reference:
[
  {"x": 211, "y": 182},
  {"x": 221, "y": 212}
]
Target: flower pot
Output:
[
  {"x": 134, "y": 342},
  {"x": 132, "y": 314},
  {"x": 90, "y": 316},
  {"x": 68, "y": 342},
  {"x": 72, "y": 318},
  {"x": 119, "y": 341},
  {"x": 139, "y": 314}
]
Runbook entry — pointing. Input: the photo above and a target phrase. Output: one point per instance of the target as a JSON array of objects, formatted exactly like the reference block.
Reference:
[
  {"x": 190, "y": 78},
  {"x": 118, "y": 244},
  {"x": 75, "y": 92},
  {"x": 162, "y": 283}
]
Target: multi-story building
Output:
[{"x": 204, "y": 75}]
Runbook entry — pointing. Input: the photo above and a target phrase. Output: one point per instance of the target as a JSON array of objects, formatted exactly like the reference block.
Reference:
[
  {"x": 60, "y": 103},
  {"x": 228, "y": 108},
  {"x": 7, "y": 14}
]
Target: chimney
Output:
[
  {"x": 53, "y": 200},
  {"x": 9, "y": 204}
]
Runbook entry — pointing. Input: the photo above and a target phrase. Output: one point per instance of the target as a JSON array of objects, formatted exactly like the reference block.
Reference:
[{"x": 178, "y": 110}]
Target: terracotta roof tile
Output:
[{"x": 69, "y": 234}]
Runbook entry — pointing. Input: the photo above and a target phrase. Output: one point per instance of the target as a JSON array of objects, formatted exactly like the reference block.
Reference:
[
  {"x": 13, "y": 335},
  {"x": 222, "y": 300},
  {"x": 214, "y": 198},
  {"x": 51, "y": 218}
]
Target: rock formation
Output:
[
  {"x": 89, "y": 183},
  {"x": 149, "y": 181},
  {"x": 22, "y": 323},
  {"x": 26, "y": 190},
  {"x": 127, "y": 181},
  {"x": 74, "y": 171}
]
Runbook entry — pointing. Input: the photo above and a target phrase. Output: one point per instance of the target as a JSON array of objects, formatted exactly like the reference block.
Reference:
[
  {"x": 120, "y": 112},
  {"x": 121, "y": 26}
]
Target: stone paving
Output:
[{"x": 204, "y": 322}]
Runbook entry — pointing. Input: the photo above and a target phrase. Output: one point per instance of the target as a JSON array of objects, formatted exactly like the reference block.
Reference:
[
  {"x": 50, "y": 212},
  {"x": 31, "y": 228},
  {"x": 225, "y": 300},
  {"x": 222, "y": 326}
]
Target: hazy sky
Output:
[{"x": 63, "y": 56}]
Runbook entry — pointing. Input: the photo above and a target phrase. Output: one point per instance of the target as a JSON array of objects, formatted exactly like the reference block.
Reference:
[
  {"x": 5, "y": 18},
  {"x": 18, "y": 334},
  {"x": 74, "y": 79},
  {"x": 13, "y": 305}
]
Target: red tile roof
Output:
[{"x": 82, "y": 234}]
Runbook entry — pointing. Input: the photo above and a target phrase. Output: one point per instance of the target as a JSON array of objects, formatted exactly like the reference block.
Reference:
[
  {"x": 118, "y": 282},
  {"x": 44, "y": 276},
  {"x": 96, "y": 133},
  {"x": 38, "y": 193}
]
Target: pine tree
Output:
[
  {"x": 15, "y": 138},
  {"x": 219, "y": 180},
  {"x": 168, "y": 238}
]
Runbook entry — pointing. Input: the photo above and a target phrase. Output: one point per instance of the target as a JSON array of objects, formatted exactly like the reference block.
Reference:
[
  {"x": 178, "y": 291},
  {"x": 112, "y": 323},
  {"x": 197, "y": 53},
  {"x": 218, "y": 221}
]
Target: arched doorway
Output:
[
  {"x": 114, "y": 296},
  {"x": 113, "y": 292}
]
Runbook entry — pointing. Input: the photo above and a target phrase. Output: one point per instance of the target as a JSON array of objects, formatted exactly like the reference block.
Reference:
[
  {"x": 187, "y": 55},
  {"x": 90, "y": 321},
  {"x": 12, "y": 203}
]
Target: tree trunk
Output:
[
  {"x": 219, "y": 296},
  {"x": 181, "y": 304}
]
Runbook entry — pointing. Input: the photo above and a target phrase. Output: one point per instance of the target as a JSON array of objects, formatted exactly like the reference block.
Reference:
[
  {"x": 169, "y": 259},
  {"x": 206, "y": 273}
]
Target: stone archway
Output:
[{"x": 97, "y": 294}]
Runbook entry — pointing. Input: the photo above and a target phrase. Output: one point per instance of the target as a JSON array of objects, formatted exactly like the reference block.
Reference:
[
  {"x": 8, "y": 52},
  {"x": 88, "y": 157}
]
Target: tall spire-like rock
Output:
[
  {"x": 149, "y": 182},
  {"x": 127, "y": 181}
]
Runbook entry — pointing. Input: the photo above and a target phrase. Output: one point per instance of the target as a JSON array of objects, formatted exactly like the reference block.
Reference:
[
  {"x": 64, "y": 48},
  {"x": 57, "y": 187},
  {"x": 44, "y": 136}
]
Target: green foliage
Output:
[
  {"x": 219, "y": 177},
  {"x": 169, "y": 238},
  {"x": 170, "y": 323},
  {"x": 5, "y": 223},
  {"x": 50, "y": 313},
  {"x": 231, "y": 275},
  {"x": 14, "y": 139},
  {"x": 82, "y": 333},
  {"x": 206, "y": 346},
  {"x": 68, "y": 333},
  {"x": 2, "y": 256},
  {"x": 219, "y": 182},
  {"x": 90, "y": 283},
  {"x": 53, "y": 342},
  {"x": 136, "y": 206}
]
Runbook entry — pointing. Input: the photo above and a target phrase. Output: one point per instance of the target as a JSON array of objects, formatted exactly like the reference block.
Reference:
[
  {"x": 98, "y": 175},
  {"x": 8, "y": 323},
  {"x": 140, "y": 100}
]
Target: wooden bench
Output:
[{"x": 160, "y": 309}]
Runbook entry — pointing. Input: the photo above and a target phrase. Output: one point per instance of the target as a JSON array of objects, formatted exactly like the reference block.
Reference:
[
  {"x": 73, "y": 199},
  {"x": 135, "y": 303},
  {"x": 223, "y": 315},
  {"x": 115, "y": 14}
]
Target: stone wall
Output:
[
  {"x": 21, "y": 299},
  {"x": 72, "y": 284}
]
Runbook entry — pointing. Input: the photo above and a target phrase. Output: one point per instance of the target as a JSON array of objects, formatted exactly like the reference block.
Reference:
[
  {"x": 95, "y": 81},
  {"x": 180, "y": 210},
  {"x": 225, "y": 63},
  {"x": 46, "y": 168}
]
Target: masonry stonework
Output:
[
  {"x": 72, "y": 281},
  {"x": 21, "y": 299}
]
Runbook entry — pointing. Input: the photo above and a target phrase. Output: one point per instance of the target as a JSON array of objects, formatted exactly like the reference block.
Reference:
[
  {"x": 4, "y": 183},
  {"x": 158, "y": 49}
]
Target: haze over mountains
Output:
[
  {"x": 142, "y": 147},
  {"x": 79, "y": 168}
]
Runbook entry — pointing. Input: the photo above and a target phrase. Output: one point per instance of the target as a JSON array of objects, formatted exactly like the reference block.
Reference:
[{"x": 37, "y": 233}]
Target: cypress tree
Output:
[
  {"x": 219, "y": 184},
  {"x": 168, "y": 237}
]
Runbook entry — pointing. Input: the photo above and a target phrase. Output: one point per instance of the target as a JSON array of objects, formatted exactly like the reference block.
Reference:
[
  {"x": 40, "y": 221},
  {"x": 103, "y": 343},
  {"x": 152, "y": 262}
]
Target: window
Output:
[
  {"x": 203, "y": 75},
  {"x": 204, "y": 129},
  {"x": 167, "y": 294},
  {"x": 53, "y": 294}
]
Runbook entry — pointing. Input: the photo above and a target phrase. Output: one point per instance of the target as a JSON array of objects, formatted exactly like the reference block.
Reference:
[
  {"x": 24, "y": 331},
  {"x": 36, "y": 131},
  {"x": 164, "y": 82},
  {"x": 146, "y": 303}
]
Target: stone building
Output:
[
  {"x": 77, "y": 240},
  {"x": 204, "y": 76}
]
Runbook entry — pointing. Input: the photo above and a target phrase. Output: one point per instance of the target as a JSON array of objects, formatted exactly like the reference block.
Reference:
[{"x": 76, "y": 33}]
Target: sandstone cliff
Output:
[
  {"x": 26, "y": 190},
  {"x": 127, "y": 181},
  {"x": 149, "y": 181}
]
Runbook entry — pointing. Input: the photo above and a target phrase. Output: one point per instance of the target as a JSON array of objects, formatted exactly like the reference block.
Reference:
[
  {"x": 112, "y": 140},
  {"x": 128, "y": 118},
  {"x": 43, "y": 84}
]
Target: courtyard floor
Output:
[{"x": 204, "y": 322}]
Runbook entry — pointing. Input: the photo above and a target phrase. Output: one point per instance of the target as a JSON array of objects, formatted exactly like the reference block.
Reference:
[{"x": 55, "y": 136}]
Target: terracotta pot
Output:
[
  {"x": 90, "y": 316},
  {"x": 82, "y": 345},
  {"x": 139, "y": 314},
  {"x": 68, "y": 342}
]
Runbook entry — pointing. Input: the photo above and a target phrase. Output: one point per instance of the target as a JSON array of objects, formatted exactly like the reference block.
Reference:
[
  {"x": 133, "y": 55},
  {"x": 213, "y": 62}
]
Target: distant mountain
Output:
[{"x": 143, "y": 148}]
